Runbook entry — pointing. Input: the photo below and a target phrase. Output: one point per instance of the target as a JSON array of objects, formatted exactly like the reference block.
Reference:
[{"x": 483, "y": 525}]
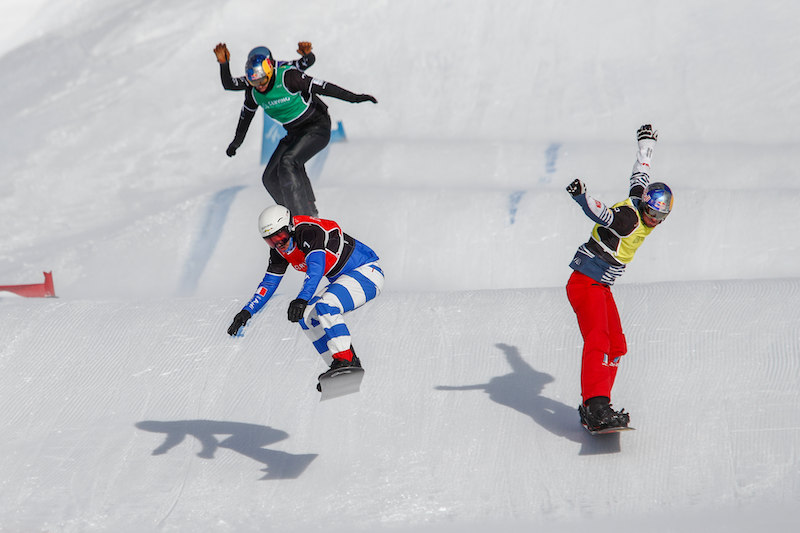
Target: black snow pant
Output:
[{"x": 285, "y": 177}]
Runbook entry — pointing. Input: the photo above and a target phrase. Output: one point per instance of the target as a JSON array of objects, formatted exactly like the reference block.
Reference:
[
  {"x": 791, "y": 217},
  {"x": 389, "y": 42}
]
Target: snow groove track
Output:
[{"x": 117, "y": 408}]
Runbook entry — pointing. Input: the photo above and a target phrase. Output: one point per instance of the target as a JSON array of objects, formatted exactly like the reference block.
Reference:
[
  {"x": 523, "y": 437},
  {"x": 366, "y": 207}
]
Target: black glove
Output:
[
  {"x": 296, "y": 309},
  {"x": 231, "y": 151},
  {"x": 365, "y": 98},
  {"x": 239, "y": 320},
  {"x": 576, "y": 188},
  {"x": 647, "y": 132}
]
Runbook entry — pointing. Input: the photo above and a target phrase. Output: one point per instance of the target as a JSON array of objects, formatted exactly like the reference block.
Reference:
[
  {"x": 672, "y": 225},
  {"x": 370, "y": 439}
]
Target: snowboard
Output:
[
  {"x": 340, "y": 382},
  {"x": 607, "y": 430}
]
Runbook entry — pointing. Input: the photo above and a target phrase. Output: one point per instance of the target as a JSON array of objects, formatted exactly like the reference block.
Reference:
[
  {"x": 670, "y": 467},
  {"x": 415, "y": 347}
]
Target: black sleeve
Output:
[
  {"x": 229, "y": 83},
  {"x": 297, "y": 81},
  {"x": 325, "y": 88},
  {"x": 277, "y": 263},
  {"x": 245, "y": 118},
  {"x": 306, "y": 61},
  {"x": 300, "y": 64},
  {"x": 636, "y": 193}
]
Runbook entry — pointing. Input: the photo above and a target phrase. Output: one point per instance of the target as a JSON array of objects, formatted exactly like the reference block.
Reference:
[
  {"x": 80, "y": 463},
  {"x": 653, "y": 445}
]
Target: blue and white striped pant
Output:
[{"x": 323, "y": 322}]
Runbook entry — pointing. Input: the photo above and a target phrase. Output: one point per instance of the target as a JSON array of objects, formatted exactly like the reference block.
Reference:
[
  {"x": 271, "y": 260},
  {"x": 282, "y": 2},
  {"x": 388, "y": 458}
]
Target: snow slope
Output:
[
  {"x": 167, "y": 424},
  {"x": 128, "y": 408}
]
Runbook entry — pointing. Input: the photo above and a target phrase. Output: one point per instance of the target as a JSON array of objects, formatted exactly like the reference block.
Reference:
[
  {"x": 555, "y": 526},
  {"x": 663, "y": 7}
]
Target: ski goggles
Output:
[
  {"x": 279, "y": 239},
  {"x": 652, "y": 213},
  {"x": 259, "y": 73}
]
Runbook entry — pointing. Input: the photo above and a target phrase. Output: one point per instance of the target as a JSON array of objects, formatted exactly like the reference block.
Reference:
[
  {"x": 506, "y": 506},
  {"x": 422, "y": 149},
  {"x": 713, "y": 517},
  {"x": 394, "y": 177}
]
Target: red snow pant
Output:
[{"x": 603, "y": 340}]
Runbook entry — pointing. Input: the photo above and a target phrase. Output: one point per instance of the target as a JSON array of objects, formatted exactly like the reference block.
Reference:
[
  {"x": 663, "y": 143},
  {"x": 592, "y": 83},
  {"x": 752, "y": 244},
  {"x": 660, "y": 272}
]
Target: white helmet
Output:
[{"x": 273, "y": 219}]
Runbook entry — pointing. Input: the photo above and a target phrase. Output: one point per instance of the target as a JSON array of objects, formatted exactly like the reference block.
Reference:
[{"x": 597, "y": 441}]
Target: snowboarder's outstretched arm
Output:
[
  {"x": 620, "y": 218},
  {"x": 245, "y": 118},
  {"x": 646, "y": 137},
  {"x": 598, "y": 211},
  {"x": 334, "y": 91},
  {"x": 275, "y": 271},
  {"x": 297, "y": 81},
  {"x": 229, "y": 83},
  {"x": 592, "y": 207},
  {"x": 308, "y": 58}
]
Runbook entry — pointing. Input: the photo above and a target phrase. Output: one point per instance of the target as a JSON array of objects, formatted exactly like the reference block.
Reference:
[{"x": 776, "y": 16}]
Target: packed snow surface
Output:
[{"x": 126, "y": 407}]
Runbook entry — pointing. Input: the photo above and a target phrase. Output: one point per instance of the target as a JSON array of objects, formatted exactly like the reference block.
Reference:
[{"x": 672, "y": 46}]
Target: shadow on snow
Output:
[
  {"x": 246, "y": 439},
  {"x": 522, "y": 390}
]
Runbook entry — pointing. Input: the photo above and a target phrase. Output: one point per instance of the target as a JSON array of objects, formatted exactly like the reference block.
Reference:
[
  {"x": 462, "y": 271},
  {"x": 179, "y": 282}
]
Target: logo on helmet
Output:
[
  {"x": 258, "y": 70},
  {"x": 657, "y": 204}
]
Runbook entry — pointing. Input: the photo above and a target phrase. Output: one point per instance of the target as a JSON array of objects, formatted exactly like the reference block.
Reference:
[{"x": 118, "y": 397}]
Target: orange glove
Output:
[
  {"x": 221, "y": 51},
  {"x": 304, "y": 48}
]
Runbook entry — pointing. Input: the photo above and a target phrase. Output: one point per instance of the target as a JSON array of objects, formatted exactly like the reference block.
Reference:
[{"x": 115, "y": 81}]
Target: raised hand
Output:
[
  {"x": 646, "y": 132},
  {"x": 304, "y": 48},
  {"x": 221, "y": 51},
  {"x": 576, "y": 188}
]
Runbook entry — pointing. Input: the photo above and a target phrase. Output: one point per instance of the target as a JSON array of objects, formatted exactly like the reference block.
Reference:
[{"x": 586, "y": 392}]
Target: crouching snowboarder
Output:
[
  {"x": 618, "y": 232},
  {"x": 319, "y": 248}
]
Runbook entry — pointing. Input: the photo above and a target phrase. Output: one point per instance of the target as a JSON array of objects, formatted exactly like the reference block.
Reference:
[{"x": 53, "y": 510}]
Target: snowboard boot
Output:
[
  {"x": 597, "y": 414},
  {"x": 342, "y": 363}
]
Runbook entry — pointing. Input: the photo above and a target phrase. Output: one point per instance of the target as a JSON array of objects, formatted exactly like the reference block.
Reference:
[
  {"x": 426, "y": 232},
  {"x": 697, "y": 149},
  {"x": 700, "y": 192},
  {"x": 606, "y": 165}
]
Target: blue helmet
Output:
[
  {"x": 260, "y": 66},
  {"x": 656, "y": 201}
]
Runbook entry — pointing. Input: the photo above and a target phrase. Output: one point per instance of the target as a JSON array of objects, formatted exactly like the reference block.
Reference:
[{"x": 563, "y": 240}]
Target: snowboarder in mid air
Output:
[
  {"x": 320, "y": 249},
  {"x": 618, "y": 232},
  {"x": 291, "y": 97}
]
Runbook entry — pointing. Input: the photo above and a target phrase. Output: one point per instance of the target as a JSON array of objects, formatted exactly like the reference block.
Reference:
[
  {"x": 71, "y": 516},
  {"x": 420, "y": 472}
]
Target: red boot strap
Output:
[{"x": 346, "y": 355}]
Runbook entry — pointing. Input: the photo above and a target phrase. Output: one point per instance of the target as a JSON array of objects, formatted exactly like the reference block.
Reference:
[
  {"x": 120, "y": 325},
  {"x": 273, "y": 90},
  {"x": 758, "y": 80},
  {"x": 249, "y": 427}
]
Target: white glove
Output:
[
  {"x": 646, "y": 132},
  {"x": 647, "y": 137}
]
